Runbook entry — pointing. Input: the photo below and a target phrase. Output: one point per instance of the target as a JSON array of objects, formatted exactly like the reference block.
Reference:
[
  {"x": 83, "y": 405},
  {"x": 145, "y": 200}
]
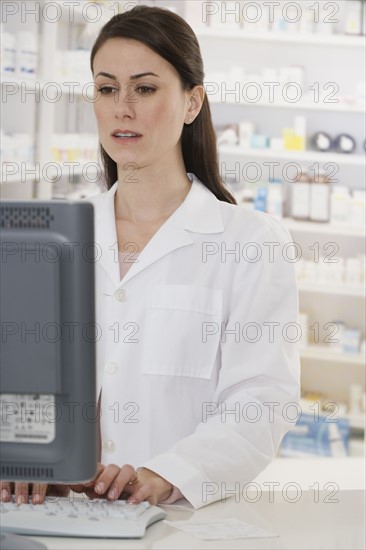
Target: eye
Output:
[
  {"x": 106, "y": 90},
  {"x": 144, "y": 90}
]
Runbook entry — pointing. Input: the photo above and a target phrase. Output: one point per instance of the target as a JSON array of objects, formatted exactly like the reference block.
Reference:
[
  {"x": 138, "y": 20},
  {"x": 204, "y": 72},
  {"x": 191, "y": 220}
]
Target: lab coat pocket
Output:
[{"x": 181, "y": 332}]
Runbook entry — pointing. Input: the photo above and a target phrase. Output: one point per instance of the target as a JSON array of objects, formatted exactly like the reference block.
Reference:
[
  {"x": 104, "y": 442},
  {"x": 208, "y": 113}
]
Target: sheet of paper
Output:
[
  {"x": 181, "y": 504},
  {"x": 218, "y": 530}
]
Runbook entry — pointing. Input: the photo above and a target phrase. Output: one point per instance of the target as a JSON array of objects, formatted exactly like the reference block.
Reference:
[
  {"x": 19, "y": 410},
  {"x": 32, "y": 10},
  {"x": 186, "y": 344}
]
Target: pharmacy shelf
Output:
[
  {"x": 324, "y": 353},
  {"x": 356, "y": 421},
  {"x": 334, "y": 40},
  {"x": 78, "y": 168},
  {"x": 7, "y": 78},
  {"x": 341, "y": 290},
  {"x": 74, "y": 14},
  {"x": 341, "y": 107},
  {"x": 69, "y": 86},
  {"x": 323, "y": 228},
  {"x": 80, "y": 89},
  {"x": 300, "y": 156},
  {"x": 16, "y": 83},
  {"x": 27, "y": 175},
  {"x": 17, "y": 190}
]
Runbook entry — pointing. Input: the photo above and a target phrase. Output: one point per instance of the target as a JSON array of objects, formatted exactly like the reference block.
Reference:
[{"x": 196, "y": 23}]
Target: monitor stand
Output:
[{"x": 17, "y": 542}]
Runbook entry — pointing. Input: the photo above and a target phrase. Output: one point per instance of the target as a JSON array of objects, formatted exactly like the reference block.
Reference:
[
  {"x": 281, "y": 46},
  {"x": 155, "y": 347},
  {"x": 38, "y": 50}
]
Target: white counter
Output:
[{"x": 315, "y": 521}]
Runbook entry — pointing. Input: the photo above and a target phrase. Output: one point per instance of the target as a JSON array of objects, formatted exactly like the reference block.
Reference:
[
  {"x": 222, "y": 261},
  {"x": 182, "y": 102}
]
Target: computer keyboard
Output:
[{"x": 79, "y": 517}]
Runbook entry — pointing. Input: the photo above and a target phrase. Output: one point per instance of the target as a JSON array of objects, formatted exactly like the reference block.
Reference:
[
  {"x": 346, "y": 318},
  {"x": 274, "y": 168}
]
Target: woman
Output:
[{"x": 193, "y": 368}]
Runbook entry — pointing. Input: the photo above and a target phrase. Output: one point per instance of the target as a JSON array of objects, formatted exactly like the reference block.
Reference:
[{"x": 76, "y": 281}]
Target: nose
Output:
[{"x": 125, "y": 102}]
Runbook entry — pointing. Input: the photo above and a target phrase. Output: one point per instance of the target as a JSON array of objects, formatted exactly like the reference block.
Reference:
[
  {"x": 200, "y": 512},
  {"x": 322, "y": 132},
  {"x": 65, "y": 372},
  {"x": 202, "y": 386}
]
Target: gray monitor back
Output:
[{"x": 48, "y": 413}]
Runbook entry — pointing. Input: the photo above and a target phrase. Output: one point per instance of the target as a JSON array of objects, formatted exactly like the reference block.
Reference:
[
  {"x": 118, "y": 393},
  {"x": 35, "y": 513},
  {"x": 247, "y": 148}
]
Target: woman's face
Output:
[{"x": 140, "y": 93}]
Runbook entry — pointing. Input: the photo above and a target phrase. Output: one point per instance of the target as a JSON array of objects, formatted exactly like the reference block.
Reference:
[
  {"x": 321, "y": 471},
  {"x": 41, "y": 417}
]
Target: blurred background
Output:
[{"x": 286, "y": 84}]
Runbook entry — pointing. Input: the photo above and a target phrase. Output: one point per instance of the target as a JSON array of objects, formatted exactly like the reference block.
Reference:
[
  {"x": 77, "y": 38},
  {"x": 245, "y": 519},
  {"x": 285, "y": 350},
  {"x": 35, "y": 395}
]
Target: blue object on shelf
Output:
[
  {"x": 316, "y": 436},
  {"x": 260, "y": 201}
]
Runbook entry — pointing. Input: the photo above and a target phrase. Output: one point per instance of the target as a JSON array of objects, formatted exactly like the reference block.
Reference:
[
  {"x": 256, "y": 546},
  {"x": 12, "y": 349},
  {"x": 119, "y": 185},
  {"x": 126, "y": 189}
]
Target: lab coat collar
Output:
[{"x": 199, "y": 213}]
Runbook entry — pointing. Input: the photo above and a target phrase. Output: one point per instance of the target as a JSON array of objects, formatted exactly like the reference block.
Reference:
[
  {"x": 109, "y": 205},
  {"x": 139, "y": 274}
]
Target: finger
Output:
[
  {"x": 126, "y": 479},
  {"x": 106, "y": 478},
  {"x": 5, "y": 491},
  {"x": 130, "y": 487},
  {"x": 39, "y": 492},
  {"x": 21, "y": 492},
  {"x": 145, "y": 491}
]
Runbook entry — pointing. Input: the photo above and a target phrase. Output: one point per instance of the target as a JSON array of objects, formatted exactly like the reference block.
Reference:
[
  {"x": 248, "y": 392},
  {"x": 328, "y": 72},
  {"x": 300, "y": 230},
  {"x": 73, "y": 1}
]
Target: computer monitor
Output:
[{"x": 48, "y": 337}]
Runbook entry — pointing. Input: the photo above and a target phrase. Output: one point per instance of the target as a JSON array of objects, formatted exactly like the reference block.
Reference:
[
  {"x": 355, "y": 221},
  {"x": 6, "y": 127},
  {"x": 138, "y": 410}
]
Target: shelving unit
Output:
[
  {"x": 357, "y": 292},
  {"x": 30, "y": 83},
  {"x": 303, "y": 105},
  {"x": 76, "y": 168},
  {"x": 13, "y": 178},
  {"x": 322, "y": 353},
  {"x": 323, "y": 369},
  {"x": 323, "y": 228},
  {"x": 299, "y": 156},
  {"x": 36, "y": 84},
  {"x": 337, "y": 40},
  {"x": 52, "y": 35}
]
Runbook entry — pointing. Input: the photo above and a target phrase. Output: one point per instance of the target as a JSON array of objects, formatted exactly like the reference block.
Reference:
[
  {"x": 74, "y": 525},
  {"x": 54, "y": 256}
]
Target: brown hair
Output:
[{"x": 170, "y": 36}]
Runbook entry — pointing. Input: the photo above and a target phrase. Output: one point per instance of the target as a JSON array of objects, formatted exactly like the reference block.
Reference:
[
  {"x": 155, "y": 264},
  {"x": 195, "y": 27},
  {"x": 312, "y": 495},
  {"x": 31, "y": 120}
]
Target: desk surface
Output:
[{"x": 310, "y": 520}]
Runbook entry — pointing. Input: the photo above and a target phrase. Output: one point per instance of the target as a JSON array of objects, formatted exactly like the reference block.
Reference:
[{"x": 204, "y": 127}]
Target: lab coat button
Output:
[
  {"x": 109, "y": 446},
  {"x": 120, "y": 295},
  {"x": 111, "y": 368}
]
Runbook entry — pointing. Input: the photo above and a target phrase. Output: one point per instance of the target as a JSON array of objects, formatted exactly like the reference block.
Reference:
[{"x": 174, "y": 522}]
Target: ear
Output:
[{"x": 195, "y": 98}]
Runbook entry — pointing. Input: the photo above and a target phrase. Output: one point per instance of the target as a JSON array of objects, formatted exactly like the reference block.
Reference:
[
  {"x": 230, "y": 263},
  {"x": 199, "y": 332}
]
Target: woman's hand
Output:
[
  {"x": 113, "y": 482},
  {"x": 22, "y": 490}
]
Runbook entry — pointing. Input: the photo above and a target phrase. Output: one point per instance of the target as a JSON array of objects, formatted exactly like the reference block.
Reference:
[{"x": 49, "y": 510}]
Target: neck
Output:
[{"x": 150, "y": 194}]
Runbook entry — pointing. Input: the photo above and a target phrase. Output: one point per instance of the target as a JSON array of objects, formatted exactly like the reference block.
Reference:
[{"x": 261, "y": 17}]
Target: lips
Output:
[{"x": 125, "y": 134}]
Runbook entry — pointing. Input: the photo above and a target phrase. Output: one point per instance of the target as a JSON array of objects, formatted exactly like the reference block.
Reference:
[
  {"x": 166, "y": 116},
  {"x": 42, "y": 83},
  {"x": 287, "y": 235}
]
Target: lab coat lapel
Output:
[
  {"x": 199, "y": 212},
  {"x": 170, "y": 236},
  {"x": 106, "y": 234}
]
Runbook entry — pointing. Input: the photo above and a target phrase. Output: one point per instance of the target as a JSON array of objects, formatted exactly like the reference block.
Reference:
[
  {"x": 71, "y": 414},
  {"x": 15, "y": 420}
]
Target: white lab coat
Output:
[{"x": 181, "y": 394}]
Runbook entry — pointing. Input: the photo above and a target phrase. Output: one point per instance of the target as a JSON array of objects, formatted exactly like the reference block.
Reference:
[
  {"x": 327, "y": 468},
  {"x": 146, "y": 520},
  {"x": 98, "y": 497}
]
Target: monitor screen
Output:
[{"x": 48, "y": 409}]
